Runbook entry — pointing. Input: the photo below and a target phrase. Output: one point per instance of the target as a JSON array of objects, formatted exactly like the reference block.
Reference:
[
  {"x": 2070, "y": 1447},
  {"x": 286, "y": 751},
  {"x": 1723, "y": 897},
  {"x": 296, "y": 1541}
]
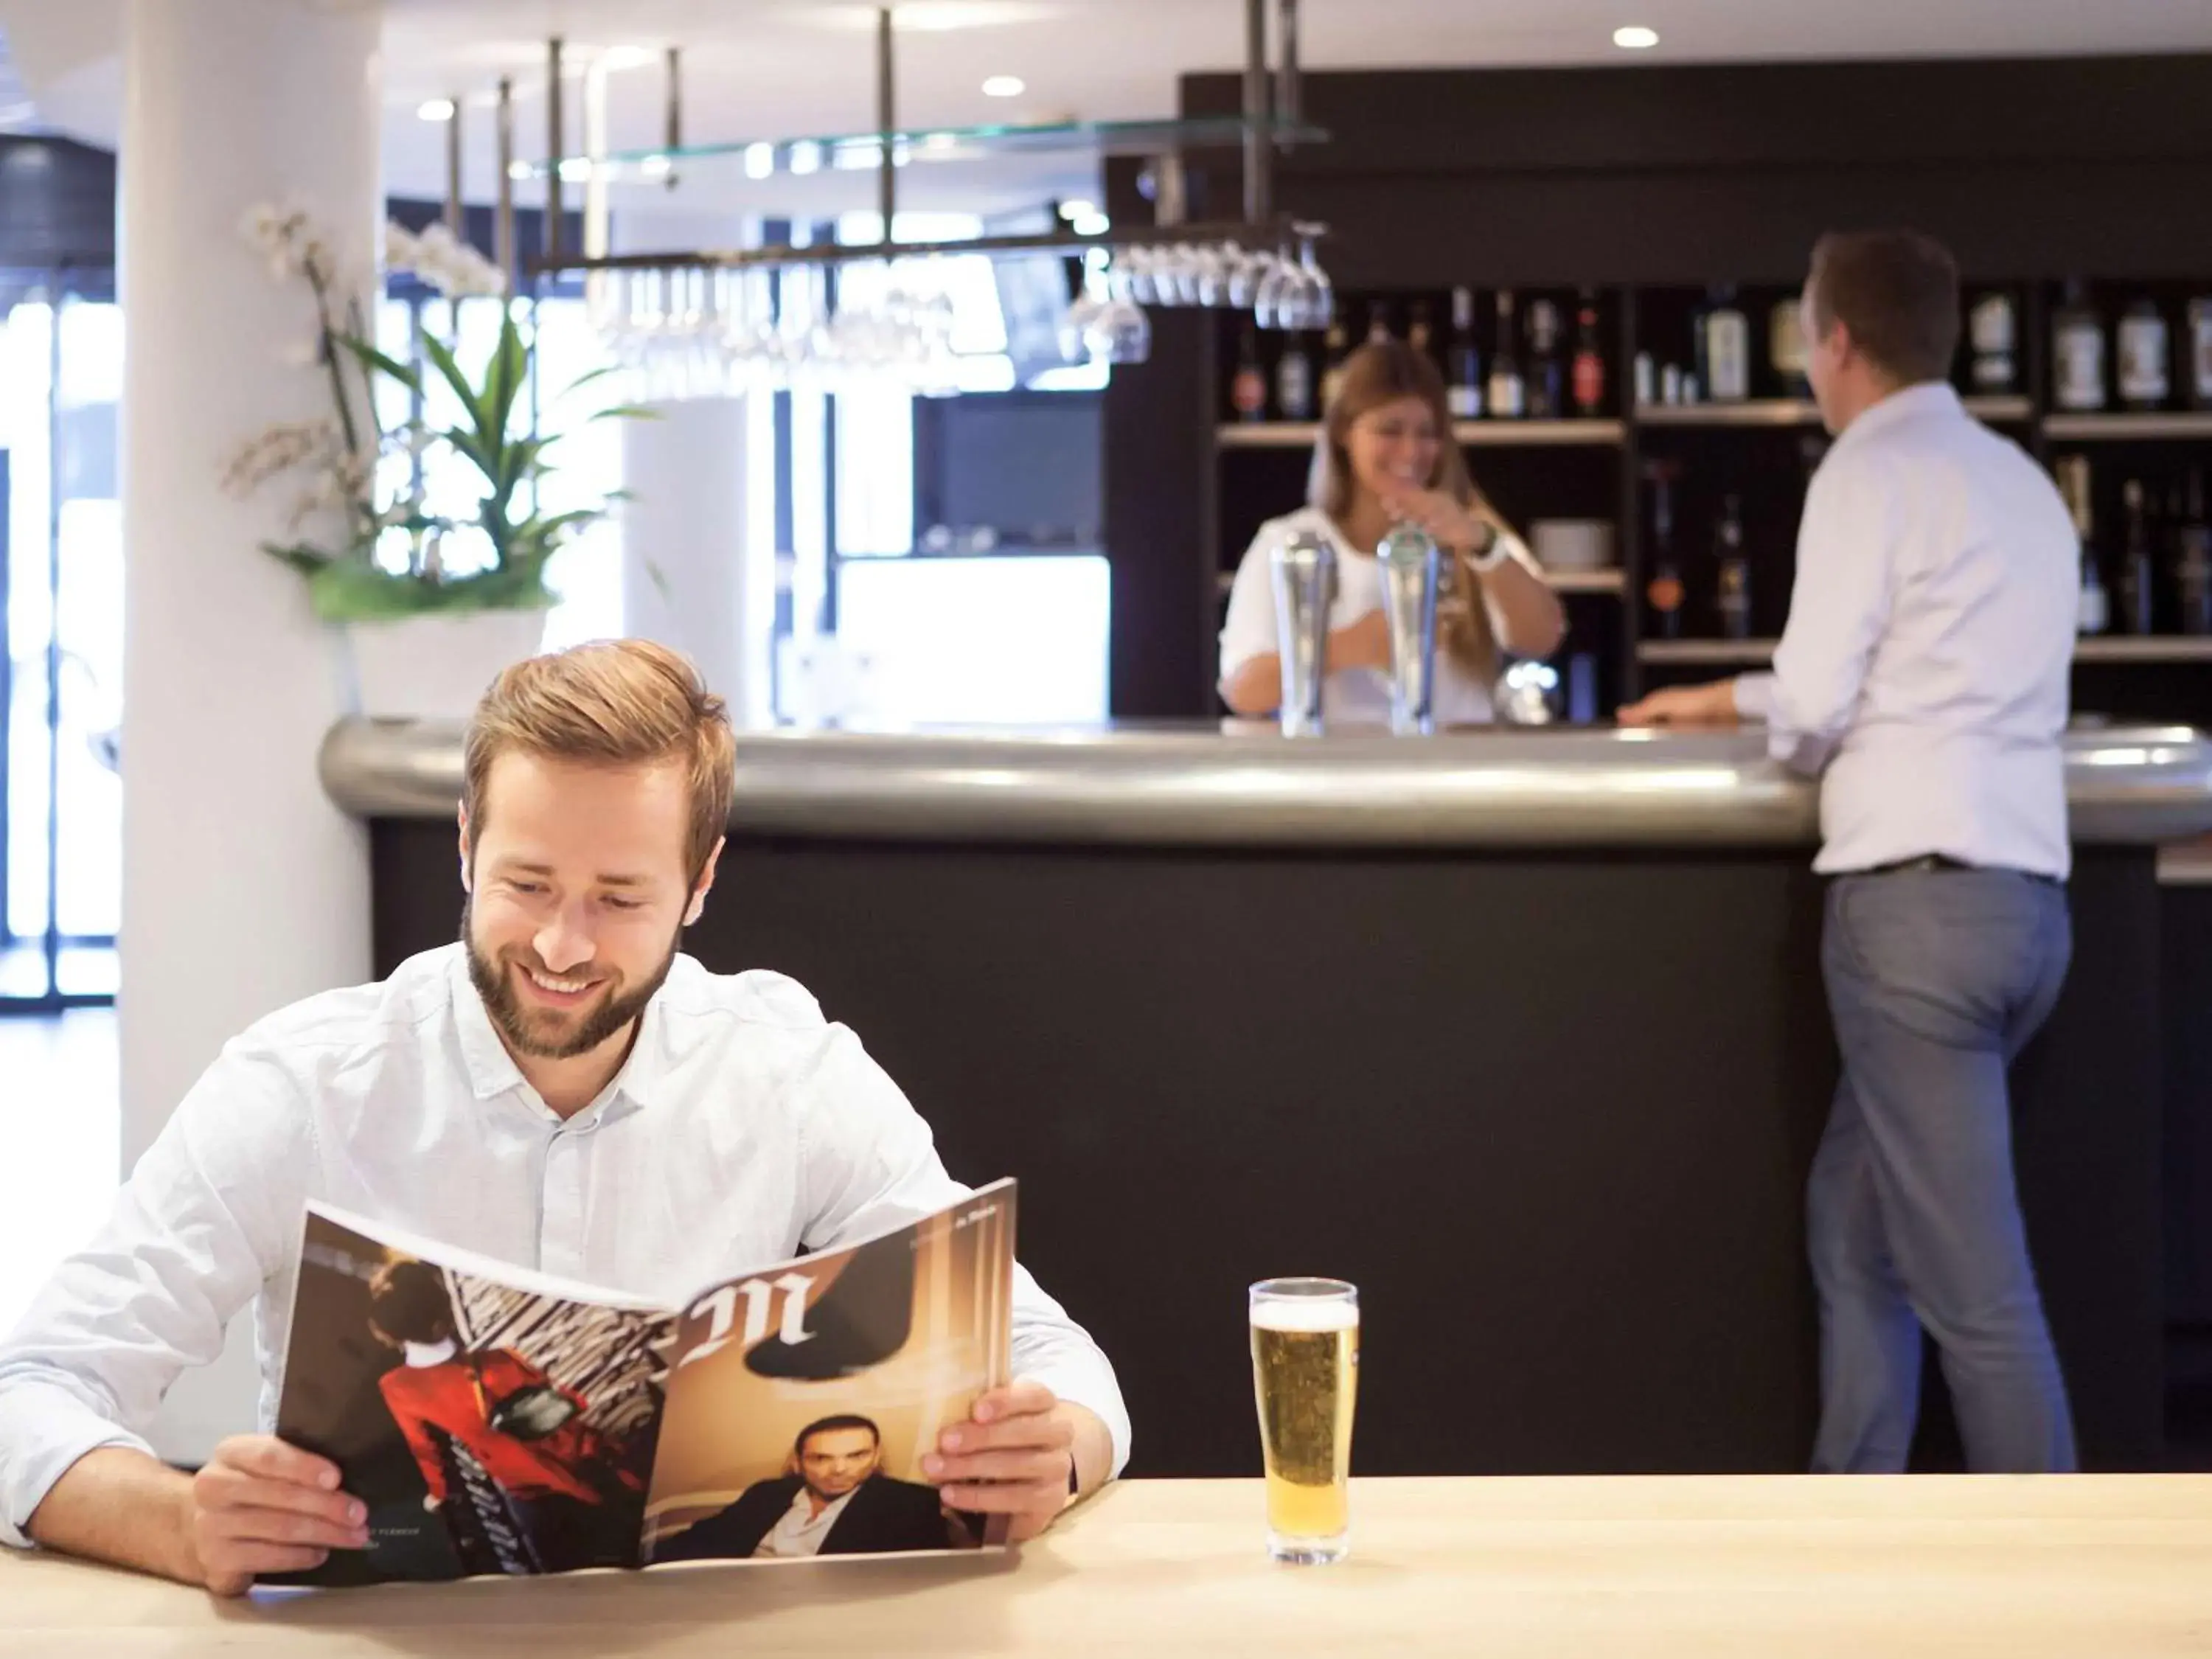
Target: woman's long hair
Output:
[{"x": 1386, "y": 372}]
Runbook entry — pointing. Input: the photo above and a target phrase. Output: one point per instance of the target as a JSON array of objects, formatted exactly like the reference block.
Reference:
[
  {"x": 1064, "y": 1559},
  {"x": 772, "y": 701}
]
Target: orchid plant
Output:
[{"x": 388, "y": 555}]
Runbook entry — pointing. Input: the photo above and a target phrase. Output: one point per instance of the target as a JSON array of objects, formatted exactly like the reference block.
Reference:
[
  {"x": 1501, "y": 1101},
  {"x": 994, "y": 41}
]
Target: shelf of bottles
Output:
[
  {"x": 1300, "y": 434},
  {"x": 1706, "y": 653},
  {"x": 1683, "y": 417},
  {"x": 1742, "y": 654},
  {"x": 1804, "y": 412}
]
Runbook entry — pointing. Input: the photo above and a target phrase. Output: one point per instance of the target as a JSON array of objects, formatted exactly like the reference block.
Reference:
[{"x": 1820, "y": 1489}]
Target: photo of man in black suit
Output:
[{"x": 839, "y": 1502}]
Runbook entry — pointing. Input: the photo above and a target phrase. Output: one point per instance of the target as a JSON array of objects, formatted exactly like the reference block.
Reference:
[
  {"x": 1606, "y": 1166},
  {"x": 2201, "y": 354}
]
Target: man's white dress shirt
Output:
[
  {"x": 800, "y": 1531},
  {"x": 742, "y": 1128},
  {"x": 1930, "y": 636}
]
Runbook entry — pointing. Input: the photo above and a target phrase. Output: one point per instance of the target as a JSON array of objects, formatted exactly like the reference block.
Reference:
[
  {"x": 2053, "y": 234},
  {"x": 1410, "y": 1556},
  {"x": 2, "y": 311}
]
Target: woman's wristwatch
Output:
[{"x": 1491, "y": 552}]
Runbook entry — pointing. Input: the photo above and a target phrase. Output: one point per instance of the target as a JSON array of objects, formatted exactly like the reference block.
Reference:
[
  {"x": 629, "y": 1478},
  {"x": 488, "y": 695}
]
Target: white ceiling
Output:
[{"x": 767, "y": 68}]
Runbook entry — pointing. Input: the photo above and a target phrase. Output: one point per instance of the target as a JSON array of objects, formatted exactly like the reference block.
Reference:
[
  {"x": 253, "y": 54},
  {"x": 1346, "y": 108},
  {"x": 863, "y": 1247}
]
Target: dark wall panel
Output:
[{"x": 1550, "y": 1112}]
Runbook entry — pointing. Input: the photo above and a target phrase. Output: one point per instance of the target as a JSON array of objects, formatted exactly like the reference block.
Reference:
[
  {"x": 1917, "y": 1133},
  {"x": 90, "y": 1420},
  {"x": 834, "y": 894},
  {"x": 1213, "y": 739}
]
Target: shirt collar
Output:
[
  {"x": 492, "y": 1071},
  {"x": 1928, "y": 398},
  {"x": 802, "y": 1504}
]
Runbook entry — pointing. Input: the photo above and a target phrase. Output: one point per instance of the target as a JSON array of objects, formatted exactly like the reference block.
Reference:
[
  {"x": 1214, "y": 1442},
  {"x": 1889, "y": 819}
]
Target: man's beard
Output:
[{"x": 515, "y": 1024}]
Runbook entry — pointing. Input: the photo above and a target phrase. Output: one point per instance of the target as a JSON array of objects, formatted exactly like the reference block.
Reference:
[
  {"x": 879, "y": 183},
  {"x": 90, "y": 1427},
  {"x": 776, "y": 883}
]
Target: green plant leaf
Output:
[
  {"x": 517, "y": 461},
  {"x": 371, "y": 358},
  {"x": 586, "y": 378},
  {"x": 505, "y": 381},
  {"x": 442, "y": 360},
  {"x": 301, "y": 556},
  {"x": 470, "y": 445}
]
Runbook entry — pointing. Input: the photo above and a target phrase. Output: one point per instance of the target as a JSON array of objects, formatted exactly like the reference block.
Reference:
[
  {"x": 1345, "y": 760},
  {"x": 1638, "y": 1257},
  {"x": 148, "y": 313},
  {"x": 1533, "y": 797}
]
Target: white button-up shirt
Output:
[
  {"x": 743, "y": 1129},
  {"x": 1931, "y": 632},
  {"x": 802, "y": 1531}
]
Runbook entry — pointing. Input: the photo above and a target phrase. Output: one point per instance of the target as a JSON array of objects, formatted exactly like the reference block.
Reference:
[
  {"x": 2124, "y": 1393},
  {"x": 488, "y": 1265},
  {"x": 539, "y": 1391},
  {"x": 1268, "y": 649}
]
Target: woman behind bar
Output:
[{"x": 1385, "y": 456}]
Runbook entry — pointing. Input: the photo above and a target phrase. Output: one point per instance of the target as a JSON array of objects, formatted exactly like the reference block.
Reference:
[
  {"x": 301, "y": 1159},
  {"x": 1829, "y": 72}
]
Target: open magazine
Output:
[{"x": 496, "y": 1420}]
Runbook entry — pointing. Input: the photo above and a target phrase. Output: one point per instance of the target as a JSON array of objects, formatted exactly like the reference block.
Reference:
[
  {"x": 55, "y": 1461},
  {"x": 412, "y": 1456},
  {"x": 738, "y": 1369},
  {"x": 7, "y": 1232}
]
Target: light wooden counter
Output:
[{"x": 2092, "y": 1567}]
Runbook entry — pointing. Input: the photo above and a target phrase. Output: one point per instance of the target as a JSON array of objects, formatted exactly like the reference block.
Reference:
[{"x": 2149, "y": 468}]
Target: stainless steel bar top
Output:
[{"x": 1206, "y": 785}]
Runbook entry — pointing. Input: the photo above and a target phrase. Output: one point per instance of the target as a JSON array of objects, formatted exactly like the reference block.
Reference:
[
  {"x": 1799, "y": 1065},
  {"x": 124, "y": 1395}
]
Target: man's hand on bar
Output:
[{"x": 1713, "y": 705}]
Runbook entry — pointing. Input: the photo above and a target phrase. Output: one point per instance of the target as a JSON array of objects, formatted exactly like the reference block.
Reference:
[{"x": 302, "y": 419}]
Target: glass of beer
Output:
[{"x": 1305, "y": 1373}]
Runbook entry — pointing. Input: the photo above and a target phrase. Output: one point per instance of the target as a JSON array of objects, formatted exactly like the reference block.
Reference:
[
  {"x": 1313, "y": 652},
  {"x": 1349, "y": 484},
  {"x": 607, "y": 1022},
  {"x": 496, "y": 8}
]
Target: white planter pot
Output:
[{"x": 435, "y": 666}]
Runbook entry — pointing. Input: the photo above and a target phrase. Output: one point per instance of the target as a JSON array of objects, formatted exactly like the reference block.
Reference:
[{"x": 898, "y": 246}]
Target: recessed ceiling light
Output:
[
  {"x": 576, "y": 170},
  {"x": 657, "y": 166},
  {"x": 436, "y": 109},
  {"x": 1004, "y": 85},
  {"x": 1635, "y": 37},
  {"x": 1078, "y": 209}
]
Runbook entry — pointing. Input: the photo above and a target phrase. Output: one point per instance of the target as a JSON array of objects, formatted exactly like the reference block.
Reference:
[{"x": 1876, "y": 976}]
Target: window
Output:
[{"x": 61, "y": 823}]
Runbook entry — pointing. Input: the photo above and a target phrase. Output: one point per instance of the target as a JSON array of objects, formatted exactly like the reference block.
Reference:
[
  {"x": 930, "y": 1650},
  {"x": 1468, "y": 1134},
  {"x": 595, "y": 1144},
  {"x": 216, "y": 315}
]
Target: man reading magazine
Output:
[{"x": 560, "y": 1089}]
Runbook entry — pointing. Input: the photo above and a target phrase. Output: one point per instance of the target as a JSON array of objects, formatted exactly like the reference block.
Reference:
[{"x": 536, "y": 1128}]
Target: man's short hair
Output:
[
  {"x": 1898, "y": 293},
  {"x": 619, "y": 703},
  {"x": 827, "y": 1425},
  {"x": 408, "y": 1303}
]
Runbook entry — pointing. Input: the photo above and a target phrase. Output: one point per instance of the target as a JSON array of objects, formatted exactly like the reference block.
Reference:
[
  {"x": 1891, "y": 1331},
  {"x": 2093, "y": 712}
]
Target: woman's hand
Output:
[{"x": 1448, "y": 523}]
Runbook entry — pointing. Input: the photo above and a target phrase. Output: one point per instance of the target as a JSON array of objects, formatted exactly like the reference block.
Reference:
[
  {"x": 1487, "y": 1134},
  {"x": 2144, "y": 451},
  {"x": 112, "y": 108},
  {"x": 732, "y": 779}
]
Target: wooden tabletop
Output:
[{"x": 2088, "y": 1567}]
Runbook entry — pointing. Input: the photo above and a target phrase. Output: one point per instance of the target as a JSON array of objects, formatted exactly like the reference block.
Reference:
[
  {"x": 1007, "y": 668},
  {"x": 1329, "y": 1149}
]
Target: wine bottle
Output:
[
  {"x": 1991, "y": 325},
  {"x": 2193, "y": 561},
  {"x": 1547, "y": 382},
  {"x": 1733, "y": 578},
  {"x": 1589, "y": 360},
  {"x": 1419, "y": 333},
  {"x": 1337, "y": 346},
  {"x": 1379, "y": 330},
  {"x": 1248, "y": 390},
  {"x": 1508, "y": 391},
  {"x": 2145, "y": 381},
  {"x": 1725, "y": 370},
  {"x": 2077, "y": 354},
  {"x": 2137, "y": 590},
  {"x": 1464, "y": 359},
  {"x": 1785, "y": 347},
  {"x": 2092, "y": 606},
  {"x": 1663, "y": 593},
  {"x": 1294, "y": 379},
  {"x": 2200, "y": 351}
]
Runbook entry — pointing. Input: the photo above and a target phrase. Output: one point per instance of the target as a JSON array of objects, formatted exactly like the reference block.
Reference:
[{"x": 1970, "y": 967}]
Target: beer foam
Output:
[{"x": 1302, "y": 1314}]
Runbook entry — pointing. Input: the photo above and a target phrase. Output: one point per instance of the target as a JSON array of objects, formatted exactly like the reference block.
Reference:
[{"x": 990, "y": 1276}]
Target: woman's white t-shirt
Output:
[{"x": 1351, "y": 696}]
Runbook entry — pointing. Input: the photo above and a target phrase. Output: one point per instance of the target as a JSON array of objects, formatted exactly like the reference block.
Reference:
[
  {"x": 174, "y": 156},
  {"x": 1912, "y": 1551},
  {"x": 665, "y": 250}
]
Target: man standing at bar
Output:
[{"x": 1924, "y": 676}]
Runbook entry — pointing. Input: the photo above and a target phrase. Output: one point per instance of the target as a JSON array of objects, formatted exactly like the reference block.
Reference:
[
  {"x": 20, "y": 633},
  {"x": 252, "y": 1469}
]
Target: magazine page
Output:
[
  {"x": 801, "y": 1399},
  {"x": 493, "y": 1421}
]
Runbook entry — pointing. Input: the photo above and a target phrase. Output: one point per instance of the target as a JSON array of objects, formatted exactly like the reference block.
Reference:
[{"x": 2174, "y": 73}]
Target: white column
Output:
[
  {"x": 686, "y": 579},
  {"x": 243, "y": 888},
  {"x": 684, "y": 539}
]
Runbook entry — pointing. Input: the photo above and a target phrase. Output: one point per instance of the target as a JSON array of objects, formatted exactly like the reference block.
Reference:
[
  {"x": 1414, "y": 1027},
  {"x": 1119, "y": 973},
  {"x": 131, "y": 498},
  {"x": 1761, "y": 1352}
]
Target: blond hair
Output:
[
  {"x": 1387, "y": 372},
  {"x": 616, "y": 703}
]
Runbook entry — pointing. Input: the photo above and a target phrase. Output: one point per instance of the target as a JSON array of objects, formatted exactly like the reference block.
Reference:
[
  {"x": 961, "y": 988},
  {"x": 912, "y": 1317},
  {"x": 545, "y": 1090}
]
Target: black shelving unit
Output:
[{"x": 1762, "y": 448}]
